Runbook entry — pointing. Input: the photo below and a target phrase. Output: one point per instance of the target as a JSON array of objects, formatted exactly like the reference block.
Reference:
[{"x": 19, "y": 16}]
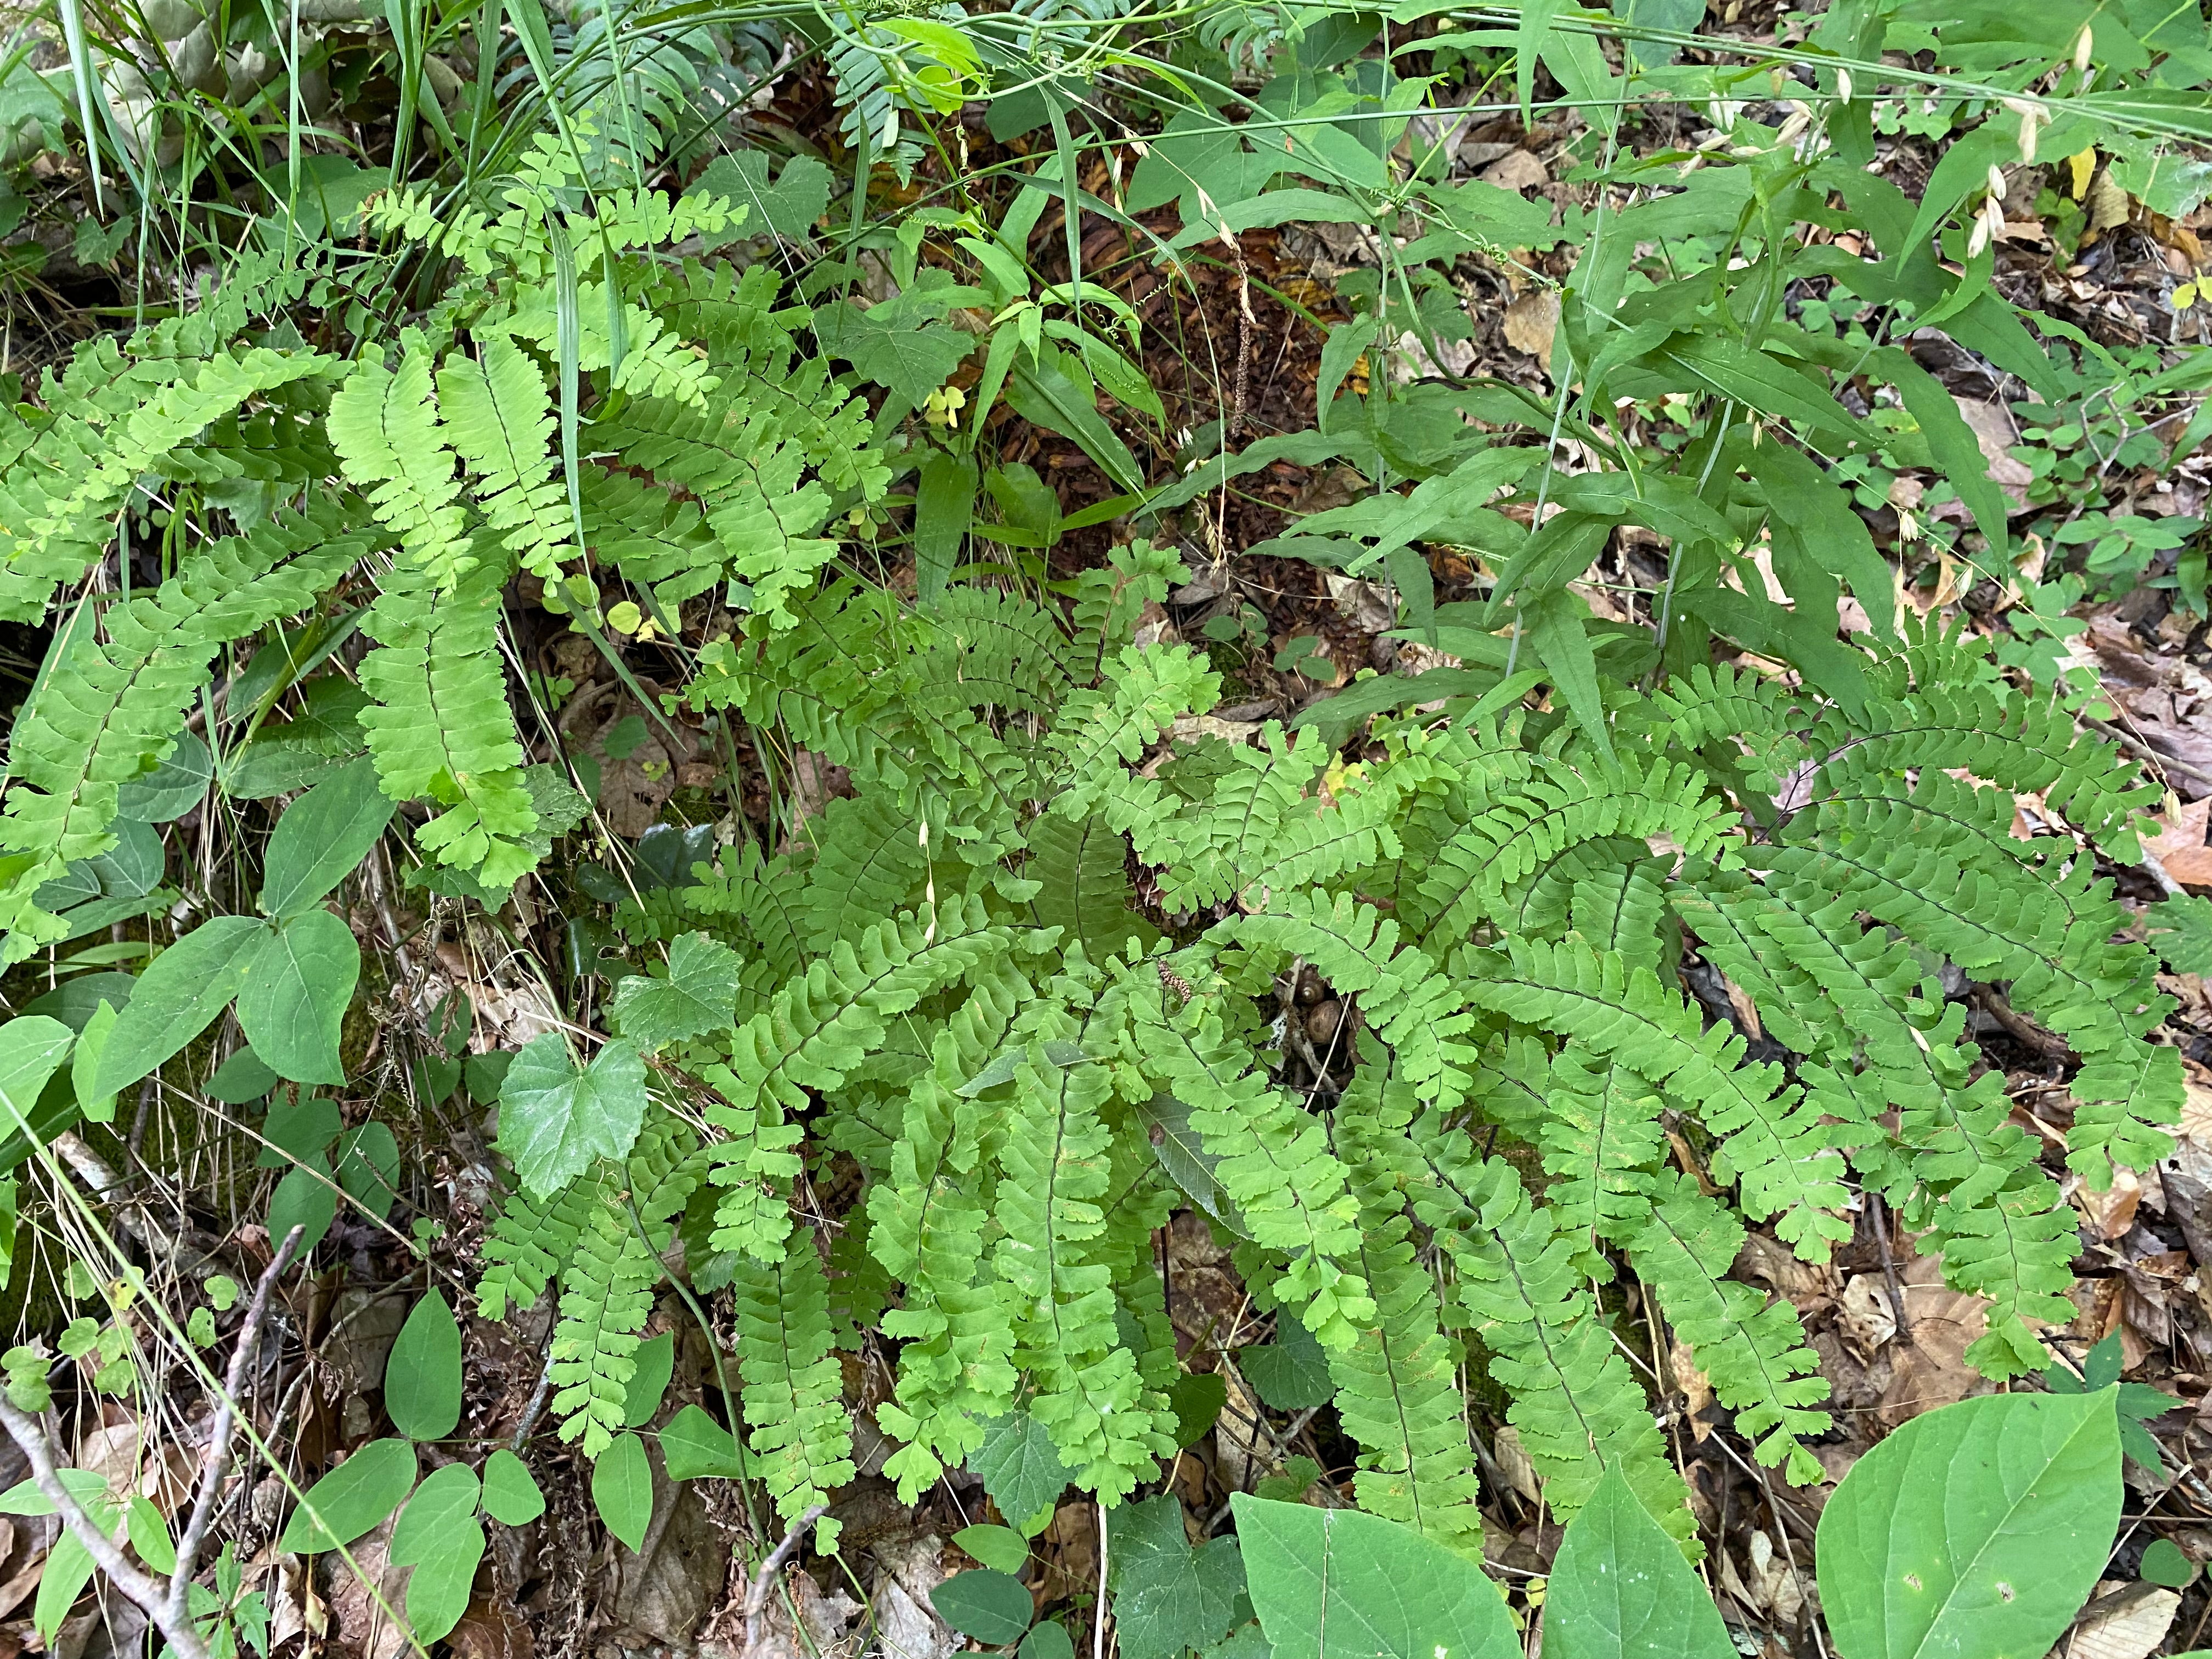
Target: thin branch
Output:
[
  {"x": 756, "y": 1593},
  {"x": 218, "y": 1452},
  {"x": 149, "y": 1593}
]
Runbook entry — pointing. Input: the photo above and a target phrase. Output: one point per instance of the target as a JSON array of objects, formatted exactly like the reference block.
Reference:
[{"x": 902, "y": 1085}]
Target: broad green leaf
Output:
[
  {"x": 1019, "y": 1466},
  {"x": 1168, "y": 1596},
  {"x": 622, "y": 1490},
  {"x": 304, "y": 1199},
  {"x": 422, "y": 1377},
  {"x": 322, "y": 836},
  {"x": 69, "y": 1569},
  {"x": 296, "y": 1130},
  {"x": 171, "y": 789},
  {"x": 1338, "y": 1584},
  {"x": 1290, "y": 1374},
  {"x": 89, "y": 1487},
  {"x": 241, "y": 1079},
  {"x": 655, "y": 1362},
  {"x": 440, "y": 1536},
  {"x": 1197, "y": 1398},
  {"x": 292, "y": 1005},
  {"x": 511, "y": 1492},
  {"x": 149, "y": 1534},
  {"x": 1620, "y": 1589},
  {"x": 912, "y": 361},
  {"x": 179, "y": 997},
  {"x": 366, "y": 1160},
  {"x": 352, "y": 1498},
  {"x": 695, "y": 1446},
  {"x": 84, "y": 1064},
  {"x": 985, "y": 1604},
  {"x": 1001, "y": 1548},
  {"x": 1188, "y": 1164},
  {"x": 555, "y": 1116},
  {"x": 1976, "y": 1529},
  {"x": 31, "y": 1047},
  {"x": 1047, "y": 1639},
  {"x": 2163, "y": 1562},
  {"x": 944, "y": 505},
  {"x": 699, "y": 995},
  {"x": 438, "y": 1589},
  {"x": 434, "y": 1516}
]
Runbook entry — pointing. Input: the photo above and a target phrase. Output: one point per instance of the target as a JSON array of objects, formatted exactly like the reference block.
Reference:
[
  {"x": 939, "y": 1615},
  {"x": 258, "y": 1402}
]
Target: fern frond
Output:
[
  {"x": 441, "y": 727},
  {"x": 1084, "y": 891},
  {"x": 110, "y": 709},
  {"x": 1600, "y": 1138},
  {"x": 607, "y": 1296},
  {"x": 392, "y": 447},
  {"x": 1097, "y": 727},
  {"x": 530, "y": 1241},
  {"x": 819, "y": 1028},
  {"x": 498, "y": 417},
  {"x": 801, "y": 1436},
  {"x": 1774, "y": 1141},
  {"x": 1752, "y": 1349},
  {"x": 870, "y": 865},
  {"x": 1274, "y": 1160},
  {"x": 1574, "y": 1402}
]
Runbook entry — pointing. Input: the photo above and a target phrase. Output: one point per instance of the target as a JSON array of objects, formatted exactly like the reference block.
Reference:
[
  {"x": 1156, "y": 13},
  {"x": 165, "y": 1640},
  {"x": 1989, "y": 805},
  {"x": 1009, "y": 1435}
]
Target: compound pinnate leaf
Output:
[
  {"x": 423, "y": 1378},
  {"x": 699, "y": 995},
  {"x": 985, "y": 1604},
  {"x": 511, "y": 1494},
  {"x": 1620, "y": 1589},
  {"x": 555, "y": 1116},
  {"x": 1168, "y": 1596},
  {"x": 622, "y": 1490},
  {"x": 1389, "y": 1592},
  {"x": 352, "y": 1498},
  {"x": 321, "y": 837},
  {"x": 1976, "y": 1529}
]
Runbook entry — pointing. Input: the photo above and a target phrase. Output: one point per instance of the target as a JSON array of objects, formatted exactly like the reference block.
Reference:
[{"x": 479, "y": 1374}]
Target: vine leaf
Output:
[
  {"x": 422, "y": 1377},
  {"x": 555, "y": 1116},
  {"x": 1620, "y": 1589},
  {"x": 698, "y": 994}
]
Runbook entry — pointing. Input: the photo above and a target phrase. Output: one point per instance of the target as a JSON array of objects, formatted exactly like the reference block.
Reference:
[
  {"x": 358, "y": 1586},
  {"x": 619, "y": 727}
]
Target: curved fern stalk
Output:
[
  {"x": 1774, "y": 1141},
  {"x": 500, "y": 419},
  {"x": 1097, "y": 727},
  {"x": 1852, "y": 998},
  {"x": 606, "y": 1286},
  {"x": 927, "y": 1225},
  {"x": 1056, "y": 1169},
  {"x": 110, "y": 709},
  {"x": 820, "y": 1027},
  {"x": 1398, "y": 1386},
  {"x": 1412, "y": 1006},
  {"x": 1574, "y": 1402},
  {"x": 393, "y": 448},
  {"x": 1504, "y": 848},
  {"x": 1751, "y": 1350},
  {"x": 801, "y": 1435},
  {"x": 441, "y": 727},
  {"x": 63, "y": 476},
  {"x": 2047, "y": 932},
  {"x": 1274, "y": 1159}
]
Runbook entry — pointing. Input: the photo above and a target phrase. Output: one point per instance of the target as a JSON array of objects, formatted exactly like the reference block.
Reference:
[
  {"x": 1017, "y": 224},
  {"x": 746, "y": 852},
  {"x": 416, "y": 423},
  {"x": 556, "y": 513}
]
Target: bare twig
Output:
[
  {"x": 217, "y": 1463},
  {"x": 148, "y": 1592},
  {"x": 1888, "y": 1265},
  {"x": 764, "y": 1580}
]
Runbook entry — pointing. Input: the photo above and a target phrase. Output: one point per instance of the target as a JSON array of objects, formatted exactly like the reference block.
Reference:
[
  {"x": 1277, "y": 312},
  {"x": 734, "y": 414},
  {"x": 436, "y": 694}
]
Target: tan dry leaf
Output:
[
  {"x": 2196, "y": 1113},
  {"x": 1868, "y": 1315},
  {"x": 2180, "y": 848},
  {"x": 2107, "y": 203},
  {"x": 1513, "y": 1458},
  {"x": 1515, "y": 170},
  {"x": 1994, "y": 432},
  {"x": 1697, "y": 1388},
  {"x": 2127, "y": 1624},
  {"x": 2112, "y": 1212},
  {"x": 1531, "y": 321}
]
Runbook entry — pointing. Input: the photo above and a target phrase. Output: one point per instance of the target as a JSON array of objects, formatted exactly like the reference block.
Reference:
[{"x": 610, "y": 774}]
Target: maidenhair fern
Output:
[{"x": 1501, "y": 908}]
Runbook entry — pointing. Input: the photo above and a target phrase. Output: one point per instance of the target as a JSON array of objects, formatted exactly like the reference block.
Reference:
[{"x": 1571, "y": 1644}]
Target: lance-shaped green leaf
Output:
[{"x": 1620, "y": 1589}]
